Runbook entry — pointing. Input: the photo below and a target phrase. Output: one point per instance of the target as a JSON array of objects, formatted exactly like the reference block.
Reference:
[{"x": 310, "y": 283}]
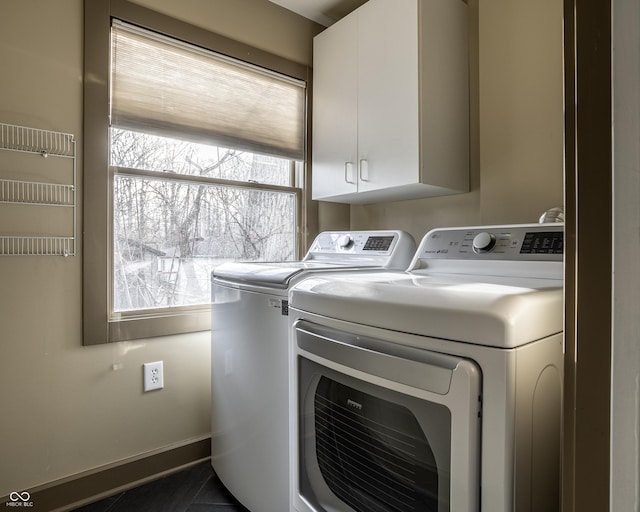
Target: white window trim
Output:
[{"x": 98, "y": 324}]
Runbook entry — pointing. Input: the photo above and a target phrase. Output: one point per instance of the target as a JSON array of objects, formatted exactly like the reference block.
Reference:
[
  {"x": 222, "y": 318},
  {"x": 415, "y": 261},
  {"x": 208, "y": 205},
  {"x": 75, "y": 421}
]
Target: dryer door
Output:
[{"x": 383, "y": 427}]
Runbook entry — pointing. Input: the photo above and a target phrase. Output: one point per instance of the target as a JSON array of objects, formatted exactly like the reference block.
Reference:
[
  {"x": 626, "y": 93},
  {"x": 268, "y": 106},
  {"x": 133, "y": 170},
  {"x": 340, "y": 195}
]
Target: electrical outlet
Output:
[{"x": 153, "y": 376}]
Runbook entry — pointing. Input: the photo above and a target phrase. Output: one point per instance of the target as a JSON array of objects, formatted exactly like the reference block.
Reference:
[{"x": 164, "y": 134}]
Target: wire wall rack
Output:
[
  {"x": 47, "y": 144},
  {"x": 50, "y": 194},
  {"x": 37, "y": 246}
]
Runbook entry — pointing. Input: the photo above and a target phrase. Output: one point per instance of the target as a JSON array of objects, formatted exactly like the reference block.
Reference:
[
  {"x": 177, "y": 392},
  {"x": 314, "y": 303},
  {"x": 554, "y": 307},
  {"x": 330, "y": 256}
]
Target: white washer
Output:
[
  {"x": 249, "y": 356},
  {"x": 436, "y": 389}
]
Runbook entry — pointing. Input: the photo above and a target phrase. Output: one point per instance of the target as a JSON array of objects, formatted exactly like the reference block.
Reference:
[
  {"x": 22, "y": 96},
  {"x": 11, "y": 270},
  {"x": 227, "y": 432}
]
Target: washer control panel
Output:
[
  {"x": 389, "y": 248},
  {"x": 541, "y": 242},
  {"x": 356, "y": 242}
]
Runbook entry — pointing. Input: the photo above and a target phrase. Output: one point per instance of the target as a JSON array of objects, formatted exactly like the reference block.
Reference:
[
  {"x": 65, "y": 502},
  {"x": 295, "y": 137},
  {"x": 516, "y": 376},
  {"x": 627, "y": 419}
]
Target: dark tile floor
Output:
[{"x": 196, "y": 489}]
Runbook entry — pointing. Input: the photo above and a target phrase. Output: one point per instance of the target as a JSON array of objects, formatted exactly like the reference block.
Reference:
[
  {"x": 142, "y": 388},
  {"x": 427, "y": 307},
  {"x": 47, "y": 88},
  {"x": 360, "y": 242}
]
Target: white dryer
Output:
[
  {"x": 249, "y": 357},
  {"x": 437, "y": 389}
]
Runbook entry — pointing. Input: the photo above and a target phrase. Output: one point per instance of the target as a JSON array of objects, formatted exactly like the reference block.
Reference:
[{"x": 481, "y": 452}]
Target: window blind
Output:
[{"x": 175, "y": 89}]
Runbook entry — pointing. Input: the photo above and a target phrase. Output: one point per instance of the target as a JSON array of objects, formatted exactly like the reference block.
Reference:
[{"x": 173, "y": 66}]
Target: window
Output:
[
  {"x": 169, "y": 233},
  {"x": 203, "y": 164},
  {"x": 183, "y": 118}
]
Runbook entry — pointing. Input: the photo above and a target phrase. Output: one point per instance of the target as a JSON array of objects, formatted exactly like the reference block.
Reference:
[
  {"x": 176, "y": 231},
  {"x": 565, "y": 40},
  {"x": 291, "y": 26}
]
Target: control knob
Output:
[
  {"x": 345, "y": 241},
  {"x": 483, "y": 242}
]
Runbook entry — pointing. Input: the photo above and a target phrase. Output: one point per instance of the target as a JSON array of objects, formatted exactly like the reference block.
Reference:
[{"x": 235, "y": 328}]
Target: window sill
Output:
[{"x": 180, "y": 322}]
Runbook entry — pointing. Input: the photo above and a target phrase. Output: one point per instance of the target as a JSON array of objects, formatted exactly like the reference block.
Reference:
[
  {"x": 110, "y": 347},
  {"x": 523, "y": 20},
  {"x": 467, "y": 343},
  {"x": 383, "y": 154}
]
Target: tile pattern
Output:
[{"x": 196, "y": 489}]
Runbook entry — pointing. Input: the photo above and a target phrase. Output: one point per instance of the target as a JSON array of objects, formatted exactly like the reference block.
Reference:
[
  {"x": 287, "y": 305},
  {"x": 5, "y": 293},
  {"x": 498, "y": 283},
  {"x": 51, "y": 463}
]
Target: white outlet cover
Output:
[{"x": 153, "y": 376}]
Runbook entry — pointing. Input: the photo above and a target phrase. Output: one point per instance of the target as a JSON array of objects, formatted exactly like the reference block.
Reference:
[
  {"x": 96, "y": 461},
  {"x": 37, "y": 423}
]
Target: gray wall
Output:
[{"x": 625, "y": 392}]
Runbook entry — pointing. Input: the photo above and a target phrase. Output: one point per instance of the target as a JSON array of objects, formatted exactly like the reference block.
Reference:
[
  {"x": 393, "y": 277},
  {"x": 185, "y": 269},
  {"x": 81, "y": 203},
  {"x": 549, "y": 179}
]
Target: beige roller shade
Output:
[{"x": 179, "y": 90}]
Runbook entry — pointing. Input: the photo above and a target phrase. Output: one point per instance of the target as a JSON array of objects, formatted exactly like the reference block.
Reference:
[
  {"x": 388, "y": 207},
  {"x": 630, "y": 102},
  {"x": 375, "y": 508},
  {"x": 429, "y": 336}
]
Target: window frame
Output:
[{"x": 100, "y": 324}]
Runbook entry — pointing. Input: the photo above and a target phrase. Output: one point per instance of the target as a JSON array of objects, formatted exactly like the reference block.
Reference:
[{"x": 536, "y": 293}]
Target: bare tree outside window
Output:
[{"x": 172, "y": 227}]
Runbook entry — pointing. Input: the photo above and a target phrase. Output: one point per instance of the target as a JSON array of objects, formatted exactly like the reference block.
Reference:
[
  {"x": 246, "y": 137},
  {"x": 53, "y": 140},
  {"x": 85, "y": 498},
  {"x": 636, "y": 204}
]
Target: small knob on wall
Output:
[{"x": 483, "y": 242}]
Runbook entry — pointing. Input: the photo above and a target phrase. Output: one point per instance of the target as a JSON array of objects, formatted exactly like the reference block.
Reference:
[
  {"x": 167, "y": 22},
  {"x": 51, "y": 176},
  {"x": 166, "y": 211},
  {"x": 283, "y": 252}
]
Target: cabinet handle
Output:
[
  {"x": 364, "y": 169},
  {"x": 348, "y": 171}
]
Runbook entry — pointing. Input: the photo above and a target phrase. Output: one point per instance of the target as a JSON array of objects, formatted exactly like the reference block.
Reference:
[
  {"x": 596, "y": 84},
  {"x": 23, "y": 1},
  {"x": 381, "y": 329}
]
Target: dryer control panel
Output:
[{"x": 537, "y": 242}]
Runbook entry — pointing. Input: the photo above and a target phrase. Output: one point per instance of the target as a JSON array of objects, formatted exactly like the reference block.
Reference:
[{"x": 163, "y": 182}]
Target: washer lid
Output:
[
  {"x": 495, "y": 311},
  {"x": 331, "y": 250},
  {"x": 277, "y": 274}
]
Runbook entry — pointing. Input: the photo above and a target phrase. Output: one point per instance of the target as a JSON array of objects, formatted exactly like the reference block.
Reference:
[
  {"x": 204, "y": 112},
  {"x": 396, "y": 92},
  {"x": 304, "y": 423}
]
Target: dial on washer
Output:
[
  {"x": 483, "y": 242},
  {"x": 345, "y": 241}
]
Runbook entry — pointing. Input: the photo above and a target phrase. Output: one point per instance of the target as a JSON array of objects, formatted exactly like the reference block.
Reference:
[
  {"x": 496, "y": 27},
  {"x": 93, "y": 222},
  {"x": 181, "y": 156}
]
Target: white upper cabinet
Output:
[{"x": 391, "y": 103}]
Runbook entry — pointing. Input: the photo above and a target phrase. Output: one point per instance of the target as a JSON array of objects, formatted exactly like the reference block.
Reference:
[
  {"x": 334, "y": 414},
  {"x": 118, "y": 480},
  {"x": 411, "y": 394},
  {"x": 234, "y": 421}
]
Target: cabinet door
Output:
[
  {"x": 388, "y": 103},
  {"x": 335, "y": 103}
]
